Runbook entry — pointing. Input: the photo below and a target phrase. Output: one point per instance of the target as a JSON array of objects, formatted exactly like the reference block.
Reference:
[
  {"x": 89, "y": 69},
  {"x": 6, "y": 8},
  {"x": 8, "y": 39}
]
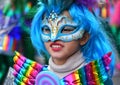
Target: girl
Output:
[{"x": 79, "y": 50}]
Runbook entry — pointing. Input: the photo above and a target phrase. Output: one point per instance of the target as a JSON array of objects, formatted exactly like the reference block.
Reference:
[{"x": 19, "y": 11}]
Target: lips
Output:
[{"x": 56, "y": 46}]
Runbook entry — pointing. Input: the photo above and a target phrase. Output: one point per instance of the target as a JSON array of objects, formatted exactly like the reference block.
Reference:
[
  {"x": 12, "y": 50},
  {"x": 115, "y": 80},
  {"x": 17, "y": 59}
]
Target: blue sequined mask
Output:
[{"x": 60, "y": 27}]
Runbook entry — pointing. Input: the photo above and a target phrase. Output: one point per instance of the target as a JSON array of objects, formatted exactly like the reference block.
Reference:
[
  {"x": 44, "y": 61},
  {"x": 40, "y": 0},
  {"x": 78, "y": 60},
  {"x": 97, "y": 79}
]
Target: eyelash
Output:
[
  {"x": 46, "y": 30},
  {"x": 67, "y": 29}
]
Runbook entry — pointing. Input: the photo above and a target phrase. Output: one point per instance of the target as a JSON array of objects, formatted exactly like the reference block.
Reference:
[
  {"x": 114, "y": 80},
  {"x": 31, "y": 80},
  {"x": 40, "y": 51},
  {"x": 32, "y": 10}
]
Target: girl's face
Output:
[{"x": 60, "y": 50}]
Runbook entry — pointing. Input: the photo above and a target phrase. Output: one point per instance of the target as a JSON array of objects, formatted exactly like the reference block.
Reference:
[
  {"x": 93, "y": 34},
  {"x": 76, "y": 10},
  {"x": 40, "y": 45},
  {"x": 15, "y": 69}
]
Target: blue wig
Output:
[{"x": 98, "y": 43}]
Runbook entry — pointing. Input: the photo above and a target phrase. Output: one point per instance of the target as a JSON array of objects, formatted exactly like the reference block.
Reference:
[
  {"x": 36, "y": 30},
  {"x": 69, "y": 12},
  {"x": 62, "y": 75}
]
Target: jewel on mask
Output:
[{"x": 53, "y": 16}]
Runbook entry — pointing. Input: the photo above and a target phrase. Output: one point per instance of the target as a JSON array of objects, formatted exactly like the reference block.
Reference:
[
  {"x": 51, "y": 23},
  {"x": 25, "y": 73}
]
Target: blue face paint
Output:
[{"x": 60, "y": 28}]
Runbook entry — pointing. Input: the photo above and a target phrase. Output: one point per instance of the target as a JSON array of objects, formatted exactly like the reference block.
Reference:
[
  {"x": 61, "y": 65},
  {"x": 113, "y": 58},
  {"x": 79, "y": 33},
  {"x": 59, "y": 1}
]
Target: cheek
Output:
[
  {"x": 73, "y": 46},
  {"x": 46, "y": 46}
]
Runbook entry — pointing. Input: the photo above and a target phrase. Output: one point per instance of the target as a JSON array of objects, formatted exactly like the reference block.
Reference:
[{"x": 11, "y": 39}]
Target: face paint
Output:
[{"x": 60, "y": 28}]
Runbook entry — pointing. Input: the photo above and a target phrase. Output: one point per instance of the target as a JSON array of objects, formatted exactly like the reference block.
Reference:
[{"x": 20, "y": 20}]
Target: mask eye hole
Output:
[
  {"x": 46, "y": 30},
  {"x": 68, "y": 29}
]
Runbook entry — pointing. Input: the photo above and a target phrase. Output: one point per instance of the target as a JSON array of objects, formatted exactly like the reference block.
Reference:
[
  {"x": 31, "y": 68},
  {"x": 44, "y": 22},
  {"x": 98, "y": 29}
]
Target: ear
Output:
[{"x": 84, "y": 39}]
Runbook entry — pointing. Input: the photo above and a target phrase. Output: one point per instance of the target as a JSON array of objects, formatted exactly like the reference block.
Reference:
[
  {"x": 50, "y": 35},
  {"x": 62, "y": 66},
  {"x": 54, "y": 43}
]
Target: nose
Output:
[
  {"x": 54, "y": 32},
  {"x": 53, "y": 38}
]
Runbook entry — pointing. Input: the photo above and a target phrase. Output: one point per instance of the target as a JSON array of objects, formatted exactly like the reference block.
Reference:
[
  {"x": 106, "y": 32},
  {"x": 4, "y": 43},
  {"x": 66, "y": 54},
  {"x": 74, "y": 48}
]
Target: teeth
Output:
[{"x": 56, "y": 46}]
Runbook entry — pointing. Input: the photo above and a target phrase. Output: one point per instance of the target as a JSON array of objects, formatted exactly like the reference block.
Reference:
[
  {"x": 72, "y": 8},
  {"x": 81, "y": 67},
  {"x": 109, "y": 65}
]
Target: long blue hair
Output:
[{"x": 98, "y": 44}]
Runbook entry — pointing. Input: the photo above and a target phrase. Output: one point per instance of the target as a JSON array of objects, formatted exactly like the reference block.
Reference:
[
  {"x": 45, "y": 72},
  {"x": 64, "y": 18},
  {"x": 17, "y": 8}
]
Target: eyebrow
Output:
[{"x": 65, "y": 18}]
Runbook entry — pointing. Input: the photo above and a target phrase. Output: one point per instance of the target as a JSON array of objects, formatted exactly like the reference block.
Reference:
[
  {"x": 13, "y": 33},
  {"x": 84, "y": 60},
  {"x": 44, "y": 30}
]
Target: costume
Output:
[{"x": 32, "y": 73}]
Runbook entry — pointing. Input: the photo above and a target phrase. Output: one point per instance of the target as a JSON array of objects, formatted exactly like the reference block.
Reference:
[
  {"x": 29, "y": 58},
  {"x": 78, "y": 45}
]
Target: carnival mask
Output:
[{"x": 60, "y": 27}]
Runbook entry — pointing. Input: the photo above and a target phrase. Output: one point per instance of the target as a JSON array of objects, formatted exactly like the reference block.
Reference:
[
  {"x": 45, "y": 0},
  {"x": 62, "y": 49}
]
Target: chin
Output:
[{"x": 57, "y": 56}]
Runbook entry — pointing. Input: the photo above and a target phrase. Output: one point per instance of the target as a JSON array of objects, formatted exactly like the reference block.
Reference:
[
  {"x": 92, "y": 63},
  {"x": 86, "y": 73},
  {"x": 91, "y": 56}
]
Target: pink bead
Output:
[
  {"x": 32, "y": 81},
  {"x": 19, "y": 62},
  {"x": 16, "y": 67},
  {"x": 91, "y": 83},
  {"x": 38, "y": 67},
  {"x": 107, "y": 58},
  {"x": 34, "y": 73},
  {"x": 89, "y": 77},
  {"x": 107, "y": 61},
  {"x": 23, "y": 58},
  {"x": 15, "y": 73}
]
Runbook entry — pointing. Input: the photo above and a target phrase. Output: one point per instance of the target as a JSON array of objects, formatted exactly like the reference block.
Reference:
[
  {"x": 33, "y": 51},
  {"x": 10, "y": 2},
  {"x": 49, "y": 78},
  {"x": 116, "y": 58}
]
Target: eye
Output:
[
  {"x": 68, "y": 29},
  {"x": 46, "y": 30}
]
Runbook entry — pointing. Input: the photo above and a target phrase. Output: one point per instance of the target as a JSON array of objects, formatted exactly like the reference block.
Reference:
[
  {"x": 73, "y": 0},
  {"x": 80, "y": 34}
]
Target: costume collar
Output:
[{"x": 75, "y": 62}]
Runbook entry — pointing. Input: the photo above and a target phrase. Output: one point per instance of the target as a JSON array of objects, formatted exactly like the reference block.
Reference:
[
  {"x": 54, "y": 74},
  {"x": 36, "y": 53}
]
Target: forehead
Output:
[{"x": 66, "y": 13}]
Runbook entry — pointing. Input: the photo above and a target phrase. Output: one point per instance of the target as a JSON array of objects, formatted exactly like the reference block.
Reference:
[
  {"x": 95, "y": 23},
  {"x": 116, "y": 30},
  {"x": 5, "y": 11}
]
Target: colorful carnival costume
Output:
[{"x": 28, "y": 72}]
